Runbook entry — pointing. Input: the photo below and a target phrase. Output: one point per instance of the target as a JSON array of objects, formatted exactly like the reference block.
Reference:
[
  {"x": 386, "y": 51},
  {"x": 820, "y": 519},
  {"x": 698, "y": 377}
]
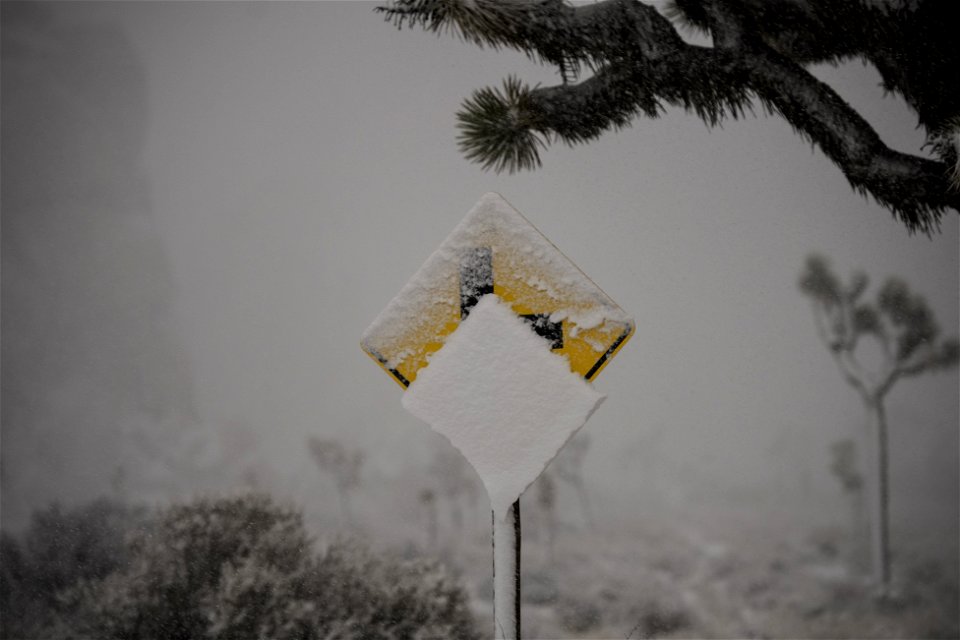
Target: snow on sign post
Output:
[{"x": 494, "y": 339}]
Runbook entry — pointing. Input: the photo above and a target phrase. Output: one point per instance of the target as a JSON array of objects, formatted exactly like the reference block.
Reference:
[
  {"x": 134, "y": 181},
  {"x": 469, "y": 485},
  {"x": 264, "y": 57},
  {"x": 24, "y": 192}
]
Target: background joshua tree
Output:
[
  {"x": 844, "y": 467},
  {"x": 343, "y": 464},
  {"x": 547, "y": 503},
  {"x": 909, "y": 338},
  {"x": 456, "y": 483},
  {"x": 568, "y": 467},
  {"x": 428, "y": 498},
  {"x": 760, "y": 53}
]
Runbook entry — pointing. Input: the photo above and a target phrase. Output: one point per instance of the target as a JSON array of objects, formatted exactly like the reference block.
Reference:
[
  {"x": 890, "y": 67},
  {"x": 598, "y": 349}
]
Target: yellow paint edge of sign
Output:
[
  {"x": 594, "y": 372},
  {"x": 608, "y": 356},
  {"x": 381, "y": 362}
]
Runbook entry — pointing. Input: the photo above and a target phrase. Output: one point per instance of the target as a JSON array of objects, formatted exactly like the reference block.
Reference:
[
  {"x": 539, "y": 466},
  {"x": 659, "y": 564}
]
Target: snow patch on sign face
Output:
[{"x": 502, "y": 398}]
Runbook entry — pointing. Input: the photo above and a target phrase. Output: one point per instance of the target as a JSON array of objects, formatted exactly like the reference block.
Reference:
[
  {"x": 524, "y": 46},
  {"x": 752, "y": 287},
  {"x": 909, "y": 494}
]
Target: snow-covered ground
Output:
[
  {"x": 694, "y": 570},
  {"x": 701, "y": 576}
]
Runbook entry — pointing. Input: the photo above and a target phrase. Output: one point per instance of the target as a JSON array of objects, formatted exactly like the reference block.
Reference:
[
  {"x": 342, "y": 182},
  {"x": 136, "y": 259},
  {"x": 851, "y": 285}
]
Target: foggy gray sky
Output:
[{"x": 300, "y": 164}]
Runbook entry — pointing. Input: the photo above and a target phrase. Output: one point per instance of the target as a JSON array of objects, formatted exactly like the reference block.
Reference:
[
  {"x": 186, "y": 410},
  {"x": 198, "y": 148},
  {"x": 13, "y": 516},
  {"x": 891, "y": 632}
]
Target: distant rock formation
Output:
[{"x": 96, "y": 389}]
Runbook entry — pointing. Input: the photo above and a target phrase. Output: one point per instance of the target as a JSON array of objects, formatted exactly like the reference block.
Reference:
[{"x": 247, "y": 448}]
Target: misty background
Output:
[{"x": 204, "y": 205}]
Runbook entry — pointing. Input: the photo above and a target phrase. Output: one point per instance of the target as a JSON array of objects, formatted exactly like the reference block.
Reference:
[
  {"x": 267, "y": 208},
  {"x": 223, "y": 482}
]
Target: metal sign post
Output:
[{"x": 506, "y": 574}]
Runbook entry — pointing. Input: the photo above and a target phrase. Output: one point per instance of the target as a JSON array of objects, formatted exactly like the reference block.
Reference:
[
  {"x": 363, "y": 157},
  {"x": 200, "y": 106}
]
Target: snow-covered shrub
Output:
[
  {"x": 376, "y": 597},
  {"x": 87, "y": 542},
  {"x": 243, "y": 567},
  {"x": 59, "y": 548},
  {"x": 657, "y": 619},
  {"x": 21, "y": 610},
  {"x": 577, "y": 615}
]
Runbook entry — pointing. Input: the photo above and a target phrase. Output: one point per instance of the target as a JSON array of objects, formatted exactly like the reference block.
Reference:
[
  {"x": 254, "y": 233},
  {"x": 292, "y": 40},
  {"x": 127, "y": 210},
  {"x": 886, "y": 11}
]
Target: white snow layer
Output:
[{"x": 502, "y": 398}]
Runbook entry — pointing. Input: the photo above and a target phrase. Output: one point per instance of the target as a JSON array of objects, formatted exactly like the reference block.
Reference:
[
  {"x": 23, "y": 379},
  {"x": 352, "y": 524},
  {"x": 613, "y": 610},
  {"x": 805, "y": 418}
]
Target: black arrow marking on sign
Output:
[
  {"x": 386, "y": 365},
  {"x": 476, "y": 277},
  {"x": 476, "y": 281},
  {"x": 552, "y": 331},
  {"x": 608, "y": 353}
]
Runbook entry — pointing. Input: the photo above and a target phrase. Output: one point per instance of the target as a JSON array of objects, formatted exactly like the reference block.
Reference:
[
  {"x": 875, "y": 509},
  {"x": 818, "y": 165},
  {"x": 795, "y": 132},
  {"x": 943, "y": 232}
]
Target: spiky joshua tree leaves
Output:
[
  {"x": 760, "y": 56},
  {"x": 911, "y": 344}
]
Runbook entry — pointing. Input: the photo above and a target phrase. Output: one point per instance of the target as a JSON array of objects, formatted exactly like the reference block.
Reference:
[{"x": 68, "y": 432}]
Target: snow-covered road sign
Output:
[
  {"x": 492, "y": 387},
  {"x": 496, "y": 250}
]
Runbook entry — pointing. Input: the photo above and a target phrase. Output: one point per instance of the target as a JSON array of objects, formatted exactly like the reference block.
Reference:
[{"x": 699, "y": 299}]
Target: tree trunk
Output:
[
  {"x": 584, "y": 503},
  {"x": 879, "y": 495},
  {"x": 860, "y": 530},
  {"x": 456, "y": 514},
  {"x": 346, "y": 517},
  {"x": 551, "y": 536},
  {"x": 433, "y": 527}
]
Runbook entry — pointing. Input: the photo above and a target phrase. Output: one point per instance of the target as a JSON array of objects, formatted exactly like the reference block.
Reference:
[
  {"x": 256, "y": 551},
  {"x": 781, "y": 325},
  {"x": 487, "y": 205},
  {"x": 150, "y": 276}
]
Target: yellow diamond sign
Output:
[{"x": 496, "y": 250}]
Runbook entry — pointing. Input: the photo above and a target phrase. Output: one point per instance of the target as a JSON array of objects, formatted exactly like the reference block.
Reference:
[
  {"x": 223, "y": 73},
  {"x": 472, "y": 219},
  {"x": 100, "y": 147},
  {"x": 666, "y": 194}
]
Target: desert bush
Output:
[
  {"x": 657, "y": 622},
  {"x": 656, "y": 618},
  {"x": 64, "y": 546},
  {"x": 243, "y": 567},
  {"x": 60, "y": 547},
  {"x": 578, "y": 616},
  {"x": 367, "y": 596},
  {"x": 20, "y": 613}
]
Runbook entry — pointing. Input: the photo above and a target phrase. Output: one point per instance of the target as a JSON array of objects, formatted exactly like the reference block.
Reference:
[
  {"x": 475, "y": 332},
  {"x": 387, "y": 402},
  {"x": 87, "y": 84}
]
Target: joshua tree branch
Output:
[
  {"x": 917, "y": 365},
  {"x": 915, "y": 189},
  {"x": 841, "y": 355},
  {"x": 640, "y": 62}
]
